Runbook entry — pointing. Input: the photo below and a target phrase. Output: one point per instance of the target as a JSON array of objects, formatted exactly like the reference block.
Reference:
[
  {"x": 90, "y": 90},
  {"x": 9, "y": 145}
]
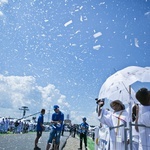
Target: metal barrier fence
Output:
[
  {"x": 145, "y": 130},
  {"x": 127, "y": 135}
]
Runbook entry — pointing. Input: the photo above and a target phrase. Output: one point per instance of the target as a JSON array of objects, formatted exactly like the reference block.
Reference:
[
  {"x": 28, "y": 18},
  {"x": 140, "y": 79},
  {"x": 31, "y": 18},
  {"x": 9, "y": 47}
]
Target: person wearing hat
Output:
[
  {"x": 57, "y": 124},
  {"x": 143, "y": 96},
  {"x": 83, "y": 132},
  {"x": 118, "y": 117}
]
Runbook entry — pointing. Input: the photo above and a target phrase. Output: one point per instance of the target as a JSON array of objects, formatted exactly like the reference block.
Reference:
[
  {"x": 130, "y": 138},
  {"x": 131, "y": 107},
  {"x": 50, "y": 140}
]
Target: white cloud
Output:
[
  {"x": 76, "y": 117},
  {"x": 18, "y": 91},
  {"x": 93, "y": 119},
  {"x": 3, "y": 2}
]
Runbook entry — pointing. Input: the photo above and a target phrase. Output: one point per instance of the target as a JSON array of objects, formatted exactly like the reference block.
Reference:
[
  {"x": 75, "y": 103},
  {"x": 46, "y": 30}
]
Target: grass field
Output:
[{"x": 90, "y": 143}]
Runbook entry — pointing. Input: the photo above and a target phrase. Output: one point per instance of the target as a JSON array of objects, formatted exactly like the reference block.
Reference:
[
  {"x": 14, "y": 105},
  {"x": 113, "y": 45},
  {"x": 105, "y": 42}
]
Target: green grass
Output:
[
  {"x": 6, "y": 133},
  {"x": 90, "y": 143}
]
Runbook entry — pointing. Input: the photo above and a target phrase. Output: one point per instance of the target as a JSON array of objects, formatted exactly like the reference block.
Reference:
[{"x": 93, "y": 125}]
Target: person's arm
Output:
[
  {"x": 100, "y": 104},
  {"x": 52, "y": 119},
  {"x": 137, "y": 117},
  {"x": 41, "y": 123},
  {"x": 54, "y": 122}
]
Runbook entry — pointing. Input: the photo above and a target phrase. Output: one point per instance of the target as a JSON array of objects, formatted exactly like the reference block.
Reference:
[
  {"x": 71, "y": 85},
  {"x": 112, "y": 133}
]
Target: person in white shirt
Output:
[
  {"x": 143, "y": 96},
  {"x": 6, "y": 124},
  {"x": 135, "y": 131},
  {"x": 3, "y": 125},
  {"x": 112, "y": 119}
]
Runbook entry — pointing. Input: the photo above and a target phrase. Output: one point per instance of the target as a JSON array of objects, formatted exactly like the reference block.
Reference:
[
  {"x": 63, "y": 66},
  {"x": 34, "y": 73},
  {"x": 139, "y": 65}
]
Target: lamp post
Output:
[{"x": 24, "y": 108}]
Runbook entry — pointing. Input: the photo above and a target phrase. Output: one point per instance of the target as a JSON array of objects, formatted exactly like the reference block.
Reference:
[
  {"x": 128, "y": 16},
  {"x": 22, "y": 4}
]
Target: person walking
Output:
[
  {"x": 83, "y": 127},
  {"x": 40, "y": 128},
  {"x": 57, "y": 125},
  {"x": 74, "y": 130}
]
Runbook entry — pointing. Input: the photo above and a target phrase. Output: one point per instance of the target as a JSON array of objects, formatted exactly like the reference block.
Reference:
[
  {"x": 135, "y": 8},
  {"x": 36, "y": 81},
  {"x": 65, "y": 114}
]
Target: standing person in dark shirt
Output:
[
  {"x": 40, "y": 128},
  {"x": 83, "y": 133},
  {"x": 74, "y": 130}
]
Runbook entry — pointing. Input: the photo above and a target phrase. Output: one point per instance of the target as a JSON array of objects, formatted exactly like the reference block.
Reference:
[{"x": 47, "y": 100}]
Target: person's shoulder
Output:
[
  {"x": 125, "y": 112},
  {"x": 144, "y": 108},
  {"x": 40, "y": 115},
  {"x": 61, "y": 113},
  {"x": 87, "y": 125},
  {"x": 54, "y": 114}
]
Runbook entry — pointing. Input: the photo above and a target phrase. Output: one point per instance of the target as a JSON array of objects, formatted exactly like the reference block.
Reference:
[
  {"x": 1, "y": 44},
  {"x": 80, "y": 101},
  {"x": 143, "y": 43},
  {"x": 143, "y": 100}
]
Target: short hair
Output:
[
  {"x": 43, "y": 110},
  {"x": 143, "y": 95}
]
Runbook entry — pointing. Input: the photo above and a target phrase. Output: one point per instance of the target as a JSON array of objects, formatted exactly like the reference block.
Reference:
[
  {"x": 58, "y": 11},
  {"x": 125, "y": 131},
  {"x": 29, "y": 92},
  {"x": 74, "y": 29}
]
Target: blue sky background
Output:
[{"x": 62, "y": 51}]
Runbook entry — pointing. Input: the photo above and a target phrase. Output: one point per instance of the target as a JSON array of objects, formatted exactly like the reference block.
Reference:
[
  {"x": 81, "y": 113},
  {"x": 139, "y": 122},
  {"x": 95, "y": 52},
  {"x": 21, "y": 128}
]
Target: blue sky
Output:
[{"x": 62, "y": 51}]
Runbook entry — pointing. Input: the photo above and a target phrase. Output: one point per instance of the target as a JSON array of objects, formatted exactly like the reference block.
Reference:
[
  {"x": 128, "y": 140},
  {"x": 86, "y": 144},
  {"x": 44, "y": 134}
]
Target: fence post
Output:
[
  {"x": 130, "y": 135},
  {"x": 125, "y": 135}
]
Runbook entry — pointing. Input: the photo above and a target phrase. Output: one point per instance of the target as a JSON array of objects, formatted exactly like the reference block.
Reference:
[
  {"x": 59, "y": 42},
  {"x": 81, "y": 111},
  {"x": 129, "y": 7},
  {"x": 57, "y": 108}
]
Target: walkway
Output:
[{"x": 72, "y": 143}]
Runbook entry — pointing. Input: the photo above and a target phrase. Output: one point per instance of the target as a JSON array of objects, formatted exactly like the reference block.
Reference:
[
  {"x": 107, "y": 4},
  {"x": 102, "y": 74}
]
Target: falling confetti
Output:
[
  {"x": 97, "y": 34},
  {"x": 68, "y": 23},
  {"x": 136, "y": 42},
  {"x": 97, "y": 47}
]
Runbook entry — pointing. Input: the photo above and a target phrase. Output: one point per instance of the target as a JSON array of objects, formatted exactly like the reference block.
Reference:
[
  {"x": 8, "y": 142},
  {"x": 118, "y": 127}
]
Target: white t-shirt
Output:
[
  {"x": 115, "y": 119},
  {"x": 144, "y": 133}
]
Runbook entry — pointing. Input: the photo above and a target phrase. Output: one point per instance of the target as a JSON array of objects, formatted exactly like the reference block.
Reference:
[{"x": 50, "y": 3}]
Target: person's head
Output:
[
  {"x": 117, "y": 105},
  {"x": 56, "y": 108},
  {"x": 143, "y": 96},
  {"x": 43, "y": 111},
  {"x": 84, "y": 119}
]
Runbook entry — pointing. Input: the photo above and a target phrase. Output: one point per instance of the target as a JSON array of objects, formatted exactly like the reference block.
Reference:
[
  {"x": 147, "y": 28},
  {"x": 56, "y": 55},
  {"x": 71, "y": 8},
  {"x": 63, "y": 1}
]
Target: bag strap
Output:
[{"x": 118, "y": 123}]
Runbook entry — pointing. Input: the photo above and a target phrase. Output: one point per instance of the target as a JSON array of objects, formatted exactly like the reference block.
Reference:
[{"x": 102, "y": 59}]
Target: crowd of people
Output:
[
  {"x": 16, "y": 126},
  {"x": 118, "y": 119},
  {"x": 57, "y": 129}
]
